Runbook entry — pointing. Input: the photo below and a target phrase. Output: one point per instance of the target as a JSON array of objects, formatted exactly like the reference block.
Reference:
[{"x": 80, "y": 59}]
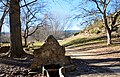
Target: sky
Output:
[{"x": 64, "y": 8}]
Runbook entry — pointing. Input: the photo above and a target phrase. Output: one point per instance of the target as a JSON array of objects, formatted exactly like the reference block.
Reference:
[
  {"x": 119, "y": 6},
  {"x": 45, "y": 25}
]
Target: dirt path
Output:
[{"x": 99, "y": 58}]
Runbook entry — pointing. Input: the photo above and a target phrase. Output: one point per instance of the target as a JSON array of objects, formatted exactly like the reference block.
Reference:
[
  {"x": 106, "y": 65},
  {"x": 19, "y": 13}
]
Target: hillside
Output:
[{"x": 97, "y": 27}]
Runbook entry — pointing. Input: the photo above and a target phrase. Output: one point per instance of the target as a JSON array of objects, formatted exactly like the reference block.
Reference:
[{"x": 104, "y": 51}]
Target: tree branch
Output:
[
  {"x": 28, "y": 4},
  {"x": 6, "y": 10},
  {"x": 37, "y": 27},
  {"x": 29, "y": 9},
  {"x": 34, "y": 30},
  {"x": 97, "y": 6},
  {"x": 108, "y": 2},
  {"x": 7, "y": 3},
  {"x": 114, "y": 17}
]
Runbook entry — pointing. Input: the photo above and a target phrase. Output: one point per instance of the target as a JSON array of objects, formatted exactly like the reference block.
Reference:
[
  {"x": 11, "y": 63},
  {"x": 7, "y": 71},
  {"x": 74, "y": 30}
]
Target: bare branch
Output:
[
  {"x": 108, "y": 2},
  {"x": 97, "y": 6},
  {"x": 114, "y": 17},
  {"x": 34, "y": 30},
  {"x": 116, "y": 25},
  {"x": 7, "y": 3},
  {"x": 101, "y": 1},
  {"x": 6, "y": 10},
  {"x": 29, "y": 9},
  {"x": 28, "y": 4}
]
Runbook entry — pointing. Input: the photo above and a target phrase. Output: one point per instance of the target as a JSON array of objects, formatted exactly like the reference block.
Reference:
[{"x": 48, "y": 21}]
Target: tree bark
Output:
[
  {"x": 109, "y": 31},
  {"x": 16, "y": 49},
  {"x": 109, "y": 41},
  {"x": 0, "y": 33},
  {"x": 25, "y": 40}
]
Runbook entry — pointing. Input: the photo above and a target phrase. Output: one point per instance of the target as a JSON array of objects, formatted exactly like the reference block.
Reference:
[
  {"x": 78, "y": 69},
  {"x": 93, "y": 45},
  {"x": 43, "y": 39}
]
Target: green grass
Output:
[
  {"x": 75, "y": 41},
  {"x": 38, "y": 44},
  {"x": 85, "y": 40}
]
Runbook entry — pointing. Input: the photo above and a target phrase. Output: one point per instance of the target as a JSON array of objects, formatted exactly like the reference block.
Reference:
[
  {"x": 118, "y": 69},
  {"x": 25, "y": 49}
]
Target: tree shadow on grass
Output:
[
  {"x": 91, "y": 48},
  {"x": 83, "y": 67},
  {"x": 106, "y": 53},
  {"x": 21, "y": 63},
  {"x": 91, "y": 61}
]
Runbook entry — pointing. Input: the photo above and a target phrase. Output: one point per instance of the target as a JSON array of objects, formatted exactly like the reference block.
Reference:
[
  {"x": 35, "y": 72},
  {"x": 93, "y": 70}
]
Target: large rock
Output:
[{"x": 50, "y": 53}]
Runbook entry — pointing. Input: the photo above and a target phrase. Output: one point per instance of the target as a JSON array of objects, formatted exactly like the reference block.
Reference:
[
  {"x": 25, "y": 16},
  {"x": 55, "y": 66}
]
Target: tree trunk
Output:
[
  {"x": 16, "y": 49},
  {"x": 0, "y": 34},
  {"x": 109, "y": 37},
  {"x": 109, "y": 31},
  {"x": 25, "y": 40}
]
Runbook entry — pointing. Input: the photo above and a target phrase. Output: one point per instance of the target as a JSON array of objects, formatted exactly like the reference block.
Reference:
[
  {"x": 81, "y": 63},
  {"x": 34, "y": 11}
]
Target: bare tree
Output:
[
  {"x": 5, "y": 8},
  {"x": 29, "y": 21},
  {"x": 52, "y": 25},
  {"x": 101, "y": 10},
  {"x": 16, "y": 49}
]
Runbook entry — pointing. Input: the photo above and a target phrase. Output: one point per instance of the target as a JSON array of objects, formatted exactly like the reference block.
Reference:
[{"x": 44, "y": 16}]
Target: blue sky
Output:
[{"x": 63, "y": 8}]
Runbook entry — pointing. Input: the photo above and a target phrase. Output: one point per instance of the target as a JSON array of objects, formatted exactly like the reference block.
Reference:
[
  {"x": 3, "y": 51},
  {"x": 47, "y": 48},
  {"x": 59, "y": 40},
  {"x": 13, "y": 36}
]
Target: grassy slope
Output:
[
  {"x": 97, "y": 27},
  {"x": 97, "y": 32},
  {"x": 82, "y": 39}
]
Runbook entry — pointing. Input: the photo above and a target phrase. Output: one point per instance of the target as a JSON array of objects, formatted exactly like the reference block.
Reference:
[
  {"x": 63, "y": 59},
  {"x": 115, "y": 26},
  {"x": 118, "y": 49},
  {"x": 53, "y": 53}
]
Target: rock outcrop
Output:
[{"x": 50, "y": 53}]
